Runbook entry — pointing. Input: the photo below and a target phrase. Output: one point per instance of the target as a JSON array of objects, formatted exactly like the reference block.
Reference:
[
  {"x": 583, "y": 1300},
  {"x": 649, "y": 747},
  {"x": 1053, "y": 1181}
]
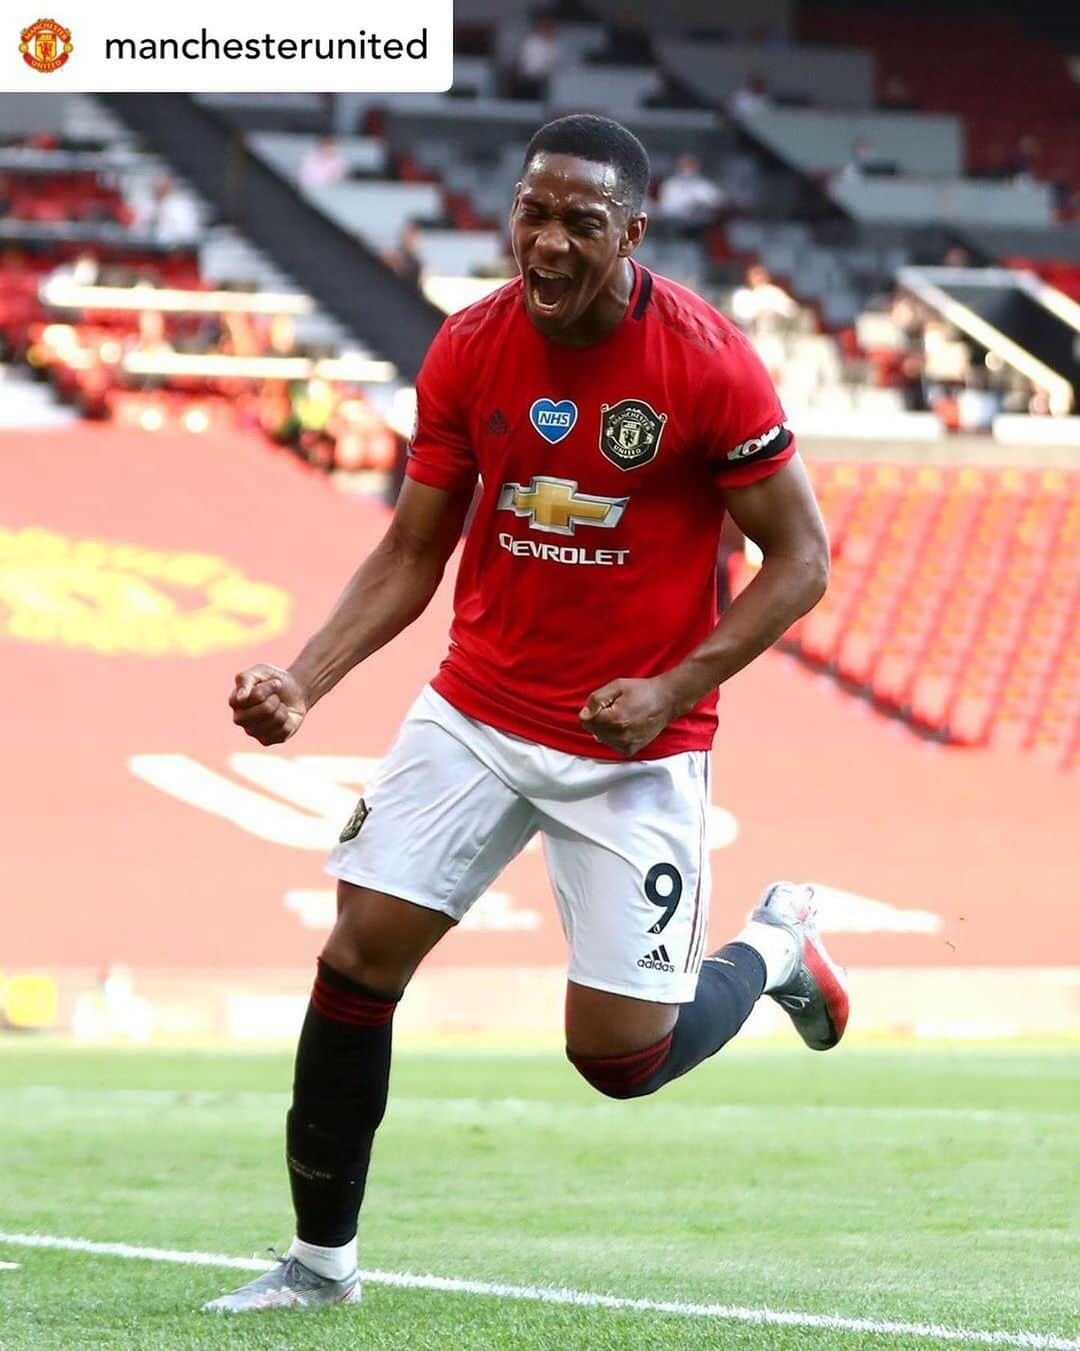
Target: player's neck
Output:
[{"x": 606, "y": 312}]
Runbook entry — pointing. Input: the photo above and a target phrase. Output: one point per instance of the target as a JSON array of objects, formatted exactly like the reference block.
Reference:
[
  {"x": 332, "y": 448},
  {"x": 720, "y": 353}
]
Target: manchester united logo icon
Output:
[
  {"x": 630, "y": 432},
  {"x": 353, "y": 824},
  {"x": 46, "y": 45}
]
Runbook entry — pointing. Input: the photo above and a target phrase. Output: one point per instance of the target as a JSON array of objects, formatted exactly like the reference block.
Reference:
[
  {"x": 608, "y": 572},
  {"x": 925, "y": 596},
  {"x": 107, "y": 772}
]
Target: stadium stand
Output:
[
  {"x": 113, "y": 289},
  {"x": 449, "y": 163},
  {"x": 955, "y": 600},
  {"x": 1004, "y": 84},
  {"x": 775, "y": 124},
  {"x": 839, "y": 76}
]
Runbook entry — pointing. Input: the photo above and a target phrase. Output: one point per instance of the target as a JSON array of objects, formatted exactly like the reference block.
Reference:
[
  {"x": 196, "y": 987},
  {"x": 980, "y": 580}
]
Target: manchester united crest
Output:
[
  {"x": 46, "y": 45},
  {"x": 630, "y": 432},
  {"x": 353, "y": 824}
]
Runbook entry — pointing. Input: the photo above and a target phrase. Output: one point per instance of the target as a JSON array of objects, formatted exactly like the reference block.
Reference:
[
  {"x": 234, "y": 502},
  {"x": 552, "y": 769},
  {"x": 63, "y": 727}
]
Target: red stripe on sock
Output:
[
  {"x": 602, "y": 1061},
  {"x": 631, "y": 1079},
  {"x": 342, "y": 1007},
  {"x": 623, "y": 1071},
  {"x": 362, "y": 1003}
]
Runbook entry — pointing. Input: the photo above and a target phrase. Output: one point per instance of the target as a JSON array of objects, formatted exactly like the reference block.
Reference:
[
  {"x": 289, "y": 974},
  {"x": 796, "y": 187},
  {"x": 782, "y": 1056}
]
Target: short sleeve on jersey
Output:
[
  {"x": 440, "y": 453},
  {"x": 743, "y": 425}
]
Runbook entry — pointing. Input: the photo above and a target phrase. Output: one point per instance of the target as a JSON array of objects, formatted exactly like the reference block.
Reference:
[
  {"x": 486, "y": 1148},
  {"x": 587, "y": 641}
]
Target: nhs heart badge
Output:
[{"x": 553, "y": 420}]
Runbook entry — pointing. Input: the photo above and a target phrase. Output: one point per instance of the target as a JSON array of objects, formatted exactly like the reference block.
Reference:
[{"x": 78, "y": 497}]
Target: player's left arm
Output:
[{"x": 781, "y": 515}]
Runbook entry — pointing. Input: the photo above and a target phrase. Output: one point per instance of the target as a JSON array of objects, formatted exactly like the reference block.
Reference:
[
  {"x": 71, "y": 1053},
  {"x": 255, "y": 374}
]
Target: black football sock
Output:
[
  {"x": 339, "y": 1097},
  {"x": 730, "y": 984}
]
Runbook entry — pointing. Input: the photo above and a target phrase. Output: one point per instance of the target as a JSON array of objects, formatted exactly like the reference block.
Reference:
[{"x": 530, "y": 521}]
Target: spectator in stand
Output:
[
  {"x": 174, "y": 219},
  {"x": 978, "y": 403},
  {"x": 956, "y": 256},
  {"x": 910, "y": 378},
  {"x": 405, "y": 258},
  {"x": 1021, "y": 165},
  {"x": 314, "y": 401},
  {"x": 761, "y": 306},
  {"x": 908, "y": 317},
  {"x": 768, "y": 314},
  {"x": 323, "y": 165},
  {"x": 274, "y": 411},
  {"x": 535, "y": 62},
  {"x": 1069, "y": 206},
  {"x": 283, "y": 336},
  {"x": 1040, "y": 403},
  {"x": 153, "y": 339},
  {"x": 897, "y": 97},
  {"x": 688, "y": 200},
  {"x": 947, "y": 366},
  {"x": 742, "y": 181},
  {"x": 751, "y": 96},
  {"x": 240, "y": 335},
  {"x": 864, "y": 157},
  {"x": 82, "y": 270}
]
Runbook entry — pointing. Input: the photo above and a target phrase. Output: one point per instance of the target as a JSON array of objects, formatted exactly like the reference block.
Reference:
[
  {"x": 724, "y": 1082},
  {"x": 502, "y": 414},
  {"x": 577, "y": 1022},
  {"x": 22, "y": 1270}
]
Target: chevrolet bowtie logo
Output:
[{"x": 555, "y": 505}]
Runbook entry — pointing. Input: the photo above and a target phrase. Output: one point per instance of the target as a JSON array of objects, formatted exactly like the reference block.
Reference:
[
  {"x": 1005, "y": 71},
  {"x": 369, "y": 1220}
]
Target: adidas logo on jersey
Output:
[
  {"x": 497, "y": 424},
  {"x": 657, "y": 960}
]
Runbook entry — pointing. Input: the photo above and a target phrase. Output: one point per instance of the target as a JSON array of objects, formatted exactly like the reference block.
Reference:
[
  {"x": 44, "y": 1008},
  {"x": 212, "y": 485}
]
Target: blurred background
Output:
[{"x": 212, "y": 310}]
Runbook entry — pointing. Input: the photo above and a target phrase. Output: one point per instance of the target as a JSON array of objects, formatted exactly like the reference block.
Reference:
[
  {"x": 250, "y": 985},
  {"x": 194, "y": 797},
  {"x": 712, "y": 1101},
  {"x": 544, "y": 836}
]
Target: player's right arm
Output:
[{"x": 390, "y": 589}]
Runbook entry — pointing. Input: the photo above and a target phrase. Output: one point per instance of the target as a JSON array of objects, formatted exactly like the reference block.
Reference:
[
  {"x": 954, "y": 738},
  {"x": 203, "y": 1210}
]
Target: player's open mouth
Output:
[{"x": 547, "y": 289}]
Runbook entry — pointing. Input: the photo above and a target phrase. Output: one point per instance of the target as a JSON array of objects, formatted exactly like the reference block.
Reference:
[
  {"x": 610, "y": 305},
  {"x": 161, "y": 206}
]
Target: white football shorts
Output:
[{"x": 625, "y": 841}]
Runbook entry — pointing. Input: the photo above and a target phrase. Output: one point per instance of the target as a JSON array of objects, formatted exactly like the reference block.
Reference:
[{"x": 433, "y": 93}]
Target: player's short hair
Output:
[{"x": 600, "y": 140}]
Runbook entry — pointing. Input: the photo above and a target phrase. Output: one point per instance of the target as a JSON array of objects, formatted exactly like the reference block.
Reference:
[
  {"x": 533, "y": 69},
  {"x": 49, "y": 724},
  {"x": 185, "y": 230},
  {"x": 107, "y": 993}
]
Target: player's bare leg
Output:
[
  {"x": 379, "y": 940},
  {"x": 603, "y": 1024},
  {"x": 628, "y": 1048},
  {"x": 339, "y": 1094}
]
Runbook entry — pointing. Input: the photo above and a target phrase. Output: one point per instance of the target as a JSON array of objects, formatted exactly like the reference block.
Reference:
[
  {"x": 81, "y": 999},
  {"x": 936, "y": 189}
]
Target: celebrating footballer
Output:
[{"x": 611, "y": 419}]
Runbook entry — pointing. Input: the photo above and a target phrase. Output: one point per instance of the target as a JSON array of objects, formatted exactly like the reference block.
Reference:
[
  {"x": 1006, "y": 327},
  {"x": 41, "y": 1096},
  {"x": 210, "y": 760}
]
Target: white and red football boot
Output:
[{"x": 815, "y": 995}]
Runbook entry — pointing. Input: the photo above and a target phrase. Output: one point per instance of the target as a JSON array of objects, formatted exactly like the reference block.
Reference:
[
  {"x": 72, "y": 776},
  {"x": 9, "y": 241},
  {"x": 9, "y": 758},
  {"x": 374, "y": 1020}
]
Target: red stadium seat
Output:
[{"x": 956, "y": 602}]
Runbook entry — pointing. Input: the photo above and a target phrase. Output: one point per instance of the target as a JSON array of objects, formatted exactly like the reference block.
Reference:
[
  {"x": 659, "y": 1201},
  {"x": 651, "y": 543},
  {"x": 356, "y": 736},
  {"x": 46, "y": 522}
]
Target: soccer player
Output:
[{"x": 612, "y": 418}]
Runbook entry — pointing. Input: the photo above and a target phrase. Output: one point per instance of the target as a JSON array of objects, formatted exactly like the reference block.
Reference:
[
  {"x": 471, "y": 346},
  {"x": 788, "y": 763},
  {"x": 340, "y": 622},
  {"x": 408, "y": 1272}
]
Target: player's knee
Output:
[
  {"x": 378, "y": 940},
  {"x": 624, "y": 1076},
  {"x": 357, "y": 953},
  {"x": 387, "y": 978}
]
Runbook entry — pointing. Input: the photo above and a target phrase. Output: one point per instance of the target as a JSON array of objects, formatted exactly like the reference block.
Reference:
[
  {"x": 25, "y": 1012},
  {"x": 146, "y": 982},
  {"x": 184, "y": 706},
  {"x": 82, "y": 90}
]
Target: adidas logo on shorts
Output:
[{"x": 657, "y": 960}]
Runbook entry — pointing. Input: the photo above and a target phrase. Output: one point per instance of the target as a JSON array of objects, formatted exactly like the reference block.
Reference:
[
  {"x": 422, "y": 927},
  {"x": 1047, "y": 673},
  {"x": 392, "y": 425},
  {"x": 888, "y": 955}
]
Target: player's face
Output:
[{"x": 571, "y": 230}]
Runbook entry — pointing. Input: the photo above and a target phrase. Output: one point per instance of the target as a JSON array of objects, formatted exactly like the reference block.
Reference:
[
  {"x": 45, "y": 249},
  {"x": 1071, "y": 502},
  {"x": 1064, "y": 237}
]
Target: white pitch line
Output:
[
  {"x": 10, "y": 1266},
  {"x": 547, "y": 1294},
  {"x": 533, "y": 1107}
]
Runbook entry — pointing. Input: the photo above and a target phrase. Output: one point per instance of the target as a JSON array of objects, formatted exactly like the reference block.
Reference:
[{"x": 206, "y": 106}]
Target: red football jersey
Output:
[{"x": 592, "y": 551}]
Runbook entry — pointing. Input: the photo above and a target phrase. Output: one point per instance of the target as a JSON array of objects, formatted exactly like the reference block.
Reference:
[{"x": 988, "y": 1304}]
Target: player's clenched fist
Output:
[
  {"x": 627, "y": 714},
  {"x": 268, "y": 704}
]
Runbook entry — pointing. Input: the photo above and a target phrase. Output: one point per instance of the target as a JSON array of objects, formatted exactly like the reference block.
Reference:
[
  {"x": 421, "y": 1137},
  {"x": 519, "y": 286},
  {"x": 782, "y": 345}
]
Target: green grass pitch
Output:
[{"x": 928, "y": 1185}]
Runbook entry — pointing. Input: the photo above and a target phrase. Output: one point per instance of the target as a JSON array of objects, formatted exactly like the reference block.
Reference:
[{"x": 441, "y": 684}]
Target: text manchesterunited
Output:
[{"x": 364, "y": 46}]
